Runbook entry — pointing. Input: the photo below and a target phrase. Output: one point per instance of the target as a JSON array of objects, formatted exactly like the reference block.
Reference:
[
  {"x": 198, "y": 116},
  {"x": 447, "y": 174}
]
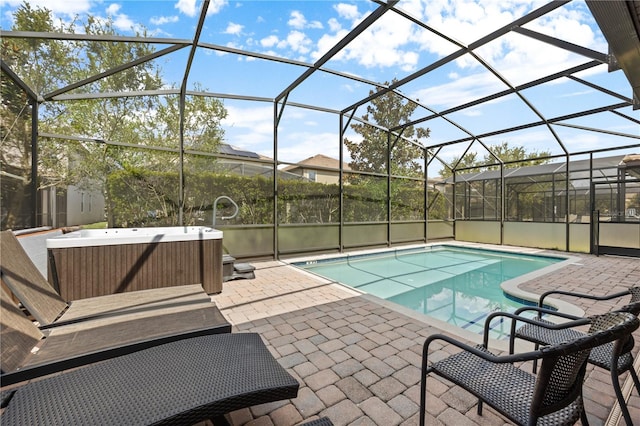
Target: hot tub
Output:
[{"x": 96, "y": 262}]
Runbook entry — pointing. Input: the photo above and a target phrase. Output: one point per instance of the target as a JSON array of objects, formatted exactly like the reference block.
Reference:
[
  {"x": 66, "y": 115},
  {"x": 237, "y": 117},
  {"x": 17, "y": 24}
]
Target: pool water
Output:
[{"x": 460, "y": 286}]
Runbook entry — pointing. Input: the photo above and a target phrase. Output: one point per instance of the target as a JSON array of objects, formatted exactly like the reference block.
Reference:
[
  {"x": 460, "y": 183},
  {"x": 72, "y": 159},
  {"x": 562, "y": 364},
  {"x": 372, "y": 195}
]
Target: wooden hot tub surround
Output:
[{"x": 107, "y": 267}]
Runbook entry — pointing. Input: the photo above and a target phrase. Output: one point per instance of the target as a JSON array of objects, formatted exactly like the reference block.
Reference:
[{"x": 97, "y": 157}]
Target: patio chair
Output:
[
  {"x": 178, "y": 383},
  {"x": 553, "y": 396},
  {"x": 26, "y": 353},
  {"x": 28, "y": 285},
  {"x": 541, "y": 333}
]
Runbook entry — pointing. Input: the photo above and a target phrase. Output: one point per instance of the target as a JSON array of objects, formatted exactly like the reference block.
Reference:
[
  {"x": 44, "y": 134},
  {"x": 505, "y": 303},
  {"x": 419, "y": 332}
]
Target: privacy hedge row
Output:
[{"x": 142, "y": 197}]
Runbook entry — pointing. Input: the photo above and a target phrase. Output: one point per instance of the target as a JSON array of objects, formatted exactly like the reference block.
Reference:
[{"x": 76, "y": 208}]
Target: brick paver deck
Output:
[{"x": 358, "y": 361}]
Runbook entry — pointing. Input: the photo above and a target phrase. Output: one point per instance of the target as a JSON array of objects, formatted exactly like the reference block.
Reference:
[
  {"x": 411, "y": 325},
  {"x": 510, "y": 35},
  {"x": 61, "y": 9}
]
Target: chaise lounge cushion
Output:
[
  {"x": 76, "y": 345},
  {"x": 182, "y": 382}
]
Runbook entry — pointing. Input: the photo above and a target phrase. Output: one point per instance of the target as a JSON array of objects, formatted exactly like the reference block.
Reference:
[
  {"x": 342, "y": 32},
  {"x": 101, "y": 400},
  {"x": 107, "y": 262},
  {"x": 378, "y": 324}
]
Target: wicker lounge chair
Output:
[
  {"x": 74, "y": 345},
  {"x": 542, "y": 333},
  {"x": 553, "y": 396},
  {"x": 28, "y": 285},
  {"x": 177, "y": 383}
]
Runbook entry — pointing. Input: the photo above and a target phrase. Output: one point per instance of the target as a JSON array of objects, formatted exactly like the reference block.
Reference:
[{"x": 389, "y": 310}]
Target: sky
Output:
[{"x": 392, "y": 47}]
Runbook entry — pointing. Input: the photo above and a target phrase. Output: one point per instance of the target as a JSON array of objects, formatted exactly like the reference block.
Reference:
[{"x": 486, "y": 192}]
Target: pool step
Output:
[{"x": 234, "y": 271}]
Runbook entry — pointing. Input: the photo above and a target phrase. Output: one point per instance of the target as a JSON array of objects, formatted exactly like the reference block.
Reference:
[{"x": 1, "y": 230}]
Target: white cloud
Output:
[
  {"x": 472, "y": 112},
  {"x": 299, "y": 22},
  {"x": 579, "y": 93},
  {"x": 120, "y": 20},
  {"x": 468, "y": 21},
  {"x": 348, "y": 87},
  {"x": 296, "y": 146},
  {"x": 298, "y": 42},
  {"x": 113, "y": 8},
  {"x": 123, "y": 22},
  {"x": 347, "y": 11},
  {"x": 517, "y": 58},
  {"x": 234, "y": 29},
  {"x": 327, "y": 41},
  {"x": 252, "y": 129},
  {"x": 58, "y": 7},
  {"x": 383, "y": 44},
  {"x": 161, "y": 20},
  {"x": 188, "y": 7},
  {"x": 408, "y": 61},
  {"x": 269, "y": 41},
  {"x": 334, "y": 25},
  {"x": 459, "y": 91},
  {"x": 216, "y": 6},
  {"x": 257, "y": 119}
]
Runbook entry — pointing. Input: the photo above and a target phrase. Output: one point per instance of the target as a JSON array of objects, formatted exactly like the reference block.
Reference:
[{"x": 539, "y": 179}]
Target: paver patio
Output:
[{"x": 358, "y": 361}]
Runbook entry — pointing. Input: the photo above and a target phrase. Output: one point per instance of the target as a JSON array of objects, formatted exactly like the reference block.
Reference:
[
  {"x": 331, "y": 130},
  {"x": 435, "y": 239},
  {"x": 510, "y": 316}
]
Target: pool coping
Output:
[{"x": 510, "y": 287}]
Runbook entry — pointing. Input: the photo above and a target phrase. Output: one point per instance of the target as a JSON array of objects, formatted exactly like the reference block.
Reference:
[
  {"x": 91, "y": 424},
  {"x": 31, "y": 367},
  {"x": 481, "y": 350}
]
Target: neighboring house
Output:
[
  {"x": 70, "y": 206},
  {"x": 319, "y": 168},
  {"x": 52, "y": 206}
]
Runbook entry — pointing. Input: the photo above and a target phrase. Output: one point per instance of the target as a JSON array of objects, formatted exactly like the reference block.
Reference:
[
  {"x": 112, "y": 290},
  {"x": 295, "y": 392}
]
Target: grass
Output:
[{"x": 97, "y": 225}]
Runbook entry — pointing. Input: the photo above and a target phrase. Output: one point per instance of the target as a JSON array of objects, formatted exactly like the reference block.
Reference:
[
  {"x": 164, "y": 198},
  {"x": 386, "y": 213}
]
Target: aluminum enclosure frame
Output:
[{"x": 619, "y": 13}]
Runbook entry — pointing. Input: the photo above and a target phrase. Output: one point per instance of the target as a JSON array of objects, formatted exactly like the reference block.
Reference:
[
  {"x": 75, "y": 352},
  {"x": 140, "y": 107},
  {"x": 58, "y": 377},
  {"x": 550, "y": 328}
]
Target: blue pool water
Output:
[{"x": 458, "y": 285}]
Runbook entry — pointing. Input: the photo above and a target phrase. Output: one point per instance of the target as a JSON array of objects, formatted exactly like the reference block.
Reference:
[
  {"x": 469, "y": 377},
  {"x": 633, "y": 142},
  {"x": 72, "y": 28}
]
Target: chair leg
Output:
[
  {"x": 423, "y": 385},
  {"x": 584, "y": 421},
  {"x": 636, "y": 381},
  {"x": 423, "y": 399},
  {"x": 623, "y": 405}
]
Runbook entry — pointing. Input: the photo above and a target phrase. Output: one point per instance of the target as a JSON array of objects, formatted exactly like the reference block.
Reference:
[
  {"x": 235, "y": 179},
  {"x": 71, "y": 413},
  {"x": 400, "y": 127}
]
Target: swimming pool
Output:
[{"x": 458, "y": 285}]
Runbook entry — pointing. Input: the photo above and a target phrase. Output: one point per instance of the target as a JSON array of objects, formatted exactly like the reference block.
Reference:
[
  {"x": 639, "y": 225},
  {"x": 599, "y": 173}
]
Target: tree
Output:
[
  {"x": 16, "y": 112},
  {"x": 202, "y": 126},
  {"x": 370, "y": 155},
  {"x": 472, "y": 164},
  {"x": 15, "y": 155},
  {"x": 152, "y": 121}
]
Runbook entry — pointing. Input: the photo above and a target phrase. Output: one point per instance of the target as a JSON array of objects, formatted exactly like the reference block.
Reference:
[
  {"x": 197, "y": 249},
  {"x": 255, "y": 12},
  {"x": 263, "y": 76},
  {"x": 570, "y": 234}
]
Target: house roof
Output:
[
  {"x": 232, "y": 150},
  {"x": 319, "y": 160},
  {"x": 602, "y": 168}
]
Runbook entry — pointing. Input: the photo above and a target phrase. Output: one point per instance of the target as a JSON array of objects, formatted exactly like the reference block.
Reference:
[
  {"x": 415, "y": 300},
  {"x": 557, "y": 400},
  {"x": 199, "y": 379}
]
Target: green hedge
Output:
[{"x": 150, "y": 198}]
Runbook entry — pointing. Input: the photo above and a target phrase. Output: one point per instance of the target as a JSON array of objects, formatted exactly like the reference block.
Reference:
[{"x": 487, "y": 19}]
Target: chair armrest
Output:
[
  {"x": 496, "y": 359},
  {"x": 547, "y": 311},
  {"x": 515, "y": 318},
  {"x": 581, "y": 295}
]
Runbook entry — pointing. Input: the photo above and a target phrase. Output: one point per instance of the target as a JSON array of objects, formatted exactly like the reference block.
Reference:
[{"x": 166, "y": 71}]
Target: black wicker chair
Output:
[
  {"x": 553, "y": 396},
  {"x": 543, "y": 333}
]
